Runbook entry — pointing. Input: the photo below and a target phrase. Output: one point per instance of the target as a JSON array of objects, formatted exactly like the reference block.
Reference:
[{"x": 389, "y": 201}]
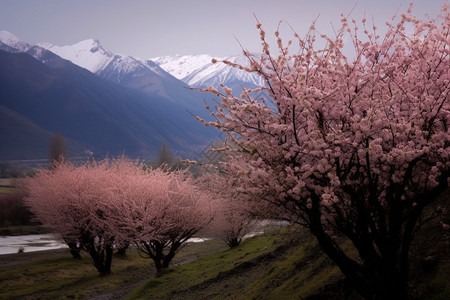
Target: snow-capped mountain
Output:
[
  {"x": 91, "y": 55},
  {"x": 88, "y": 54},
  {"x": 145, "y": 76},
  {"x": 182, "y": 66},
  {"x": 42, "y": 93},
  {"x": 12, "y": 44},
  {"x": 151, "y": 75},
  {"x": 10, "y": 40},
  {"x": 199, "y": 71},
  {"x": 217, "y": 73},
  {"x": 123, "y": 69}
]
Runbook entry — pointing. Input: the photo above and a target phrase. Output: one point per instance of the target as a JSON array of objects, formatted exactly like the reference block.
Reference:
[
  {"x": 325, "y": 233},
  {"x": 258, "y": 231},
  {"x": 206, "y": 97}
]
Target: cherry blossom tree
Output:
[
  {"x": 117, "y": 202},
  {"x": 162, "y": 212},
  {"x": 352, "y": 146},
  {"x": 70, "y": 201}
]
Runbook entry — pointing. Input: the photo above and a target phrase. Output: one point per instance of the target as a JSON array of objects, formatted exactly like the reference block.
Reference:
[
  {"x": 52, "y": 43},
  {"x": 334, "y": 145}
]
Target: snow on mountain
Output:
[
  {"x": 125, "y": 70},
  {"x": 12, "y": 41},
  {"x": 158, "y": 75},
  {"x": 152, "y": 108},
  {"x": 144, "y": 76},
  {"x": 182, "y": 66},
  {"x": 8, "y": 38},
  {"x": 217, "y": 73},
  {"x": 199, "y": 71},
  {"x": 88, "y": 54}
]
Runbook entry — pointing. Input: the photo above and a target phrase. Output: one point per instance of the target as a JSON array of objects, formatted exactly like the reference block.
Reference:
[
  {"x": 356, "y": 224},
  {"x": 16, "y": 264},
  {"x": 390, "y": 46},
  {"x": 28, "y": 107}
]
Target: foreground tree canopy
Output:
[
  {"x": 117, "y": 202},
  {"x": 348, "y": 145}
]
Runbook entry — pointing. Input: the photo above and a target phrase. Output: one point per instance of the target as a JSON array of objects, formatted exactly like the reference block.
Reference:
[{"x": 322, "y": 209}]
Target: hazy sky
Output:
[{"x": 149, "y": 28}]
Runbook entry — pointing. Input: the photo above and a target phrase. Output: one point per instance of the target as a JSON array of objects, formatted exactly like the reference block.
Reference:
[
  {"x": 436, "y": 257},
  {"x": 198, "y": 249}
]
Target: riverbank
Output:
[
  {"x": 280, "y": 264},
  {"x": 53, "y": 274},
  {"x": 26, "y": 257},
  {"x": 276, "y": 265}
]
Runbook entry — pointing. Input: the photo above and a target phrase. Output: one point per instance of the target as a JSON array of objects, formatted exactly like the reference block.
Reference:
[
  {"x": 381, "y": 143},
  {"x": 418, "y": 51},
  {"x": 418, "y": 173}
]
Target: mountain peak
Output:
[
  {"x": 8, "y": 38},
  {"x": 199, "y": 71},
  {"x": 88, "y": 54},
  {"x": 13, "y": 41},
  {"x": 182, "y": 66},
  {"x": 88, "y": 43}
]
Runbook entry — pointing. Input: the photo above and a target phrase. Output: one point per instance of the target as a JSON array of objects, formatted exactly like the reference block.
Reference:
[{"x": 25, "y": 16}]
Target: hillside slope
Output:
[
  {"x": 280, "y": 265},
  {"x": 98, "y": 115}
]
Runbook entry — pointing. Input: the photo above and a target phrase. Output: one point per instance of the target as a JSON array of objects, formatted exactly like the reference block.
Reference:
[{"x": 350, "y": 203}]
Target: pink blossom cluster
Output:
[
  {"x": 377, "y": 118},
  {"x": 352, "y": 147}
]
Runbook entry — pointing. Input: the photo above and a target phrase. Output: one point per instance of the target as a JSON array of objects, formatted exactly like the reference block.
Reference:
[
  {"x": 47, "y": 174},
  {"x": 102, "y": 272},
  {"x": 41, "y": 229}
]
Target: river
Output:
[
  {"x": 41, "y": 242},
  {"x": 29, "y": 243}
]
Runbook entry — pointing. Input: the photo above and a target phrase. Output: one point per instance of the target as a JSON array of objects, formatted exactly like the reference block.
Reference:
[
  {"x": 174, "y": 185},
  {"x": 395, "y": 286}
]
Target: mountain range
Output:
[
  {"x": 102, "y": 102},
  {"x": 199, "y": 71}
]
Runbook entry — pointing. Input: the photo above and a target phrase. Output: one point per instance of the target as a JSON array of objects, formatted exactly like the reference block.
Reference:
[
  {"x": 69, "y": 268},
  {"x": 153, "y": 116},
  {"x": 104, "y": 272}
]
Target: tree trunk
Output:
[
  {"x": 162, "y": 261},
  {"x": 74, "y": 250},
  {"x": 372, "y": 281},
  {"x": 122, "y": 251},
  {"x": 234, "y": 242},
  {"x": 390, "y": 288},
  {"x": 160, "y": 268},
  {"x": 102, "y": 260}
]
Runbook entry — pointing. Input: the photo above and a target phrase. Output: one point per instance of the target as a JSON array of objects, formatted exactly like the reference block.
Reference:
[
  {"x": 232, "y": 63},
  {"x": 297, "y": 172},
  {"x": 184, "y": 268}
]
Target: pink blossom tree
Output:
[
  {"x": 116, "y": 202},
  {"x": 70, "y": 201},
  {"x": 162, "y": 212},
  {"x": 353, "y": 146}
]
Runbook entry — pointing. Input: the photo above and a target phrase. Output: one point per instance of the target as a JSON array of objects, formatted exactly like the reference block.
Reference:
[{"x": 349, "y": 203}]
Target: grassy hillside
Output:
[
  {"x": 273, "y": 266},
  {"x": 276, "y": 265},
  {"x": 267, "y": 266}
]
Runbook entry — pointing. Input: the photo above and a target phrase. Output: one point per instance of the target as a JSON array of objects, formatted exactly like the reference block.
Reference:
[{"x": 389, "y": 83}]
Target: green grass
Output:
[
  {"x": 185, "y": 277},
  {"x": 47, "y": 276},
  {"x": 61, "y": 277},
  {"x": 281, "y": 264},
  {"x": 273, "y": 266},
  {"x": 302, "y": 271}
]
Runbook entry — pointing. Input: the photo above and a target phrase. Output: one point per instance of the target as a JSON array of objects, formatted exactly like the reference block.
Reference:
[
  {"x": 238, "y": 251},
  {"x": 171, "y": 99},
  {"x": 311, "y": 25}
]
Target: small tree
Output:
[
  {"x": 165, "y": 156},
  {"x": 351, "y": 146},
  {"x": 99, "y": 205},
  {"x": 57, "y": 151},
  {"x": 70, "y": 201},
  {"x": 162, "y": 212}
]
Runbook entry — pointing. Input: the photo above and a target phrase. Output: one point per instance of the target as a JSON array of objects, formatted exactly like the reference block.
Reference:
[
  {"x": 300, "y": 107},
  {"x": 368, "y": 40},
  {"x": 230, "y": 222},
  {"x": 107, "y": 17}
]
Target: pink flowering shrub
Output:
[
  {"x": 71, "y": 201},
  {"x": 350, "y": 145},
  {"x": 115, "y": 203},
  {"x": 162, "y": 211}
]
